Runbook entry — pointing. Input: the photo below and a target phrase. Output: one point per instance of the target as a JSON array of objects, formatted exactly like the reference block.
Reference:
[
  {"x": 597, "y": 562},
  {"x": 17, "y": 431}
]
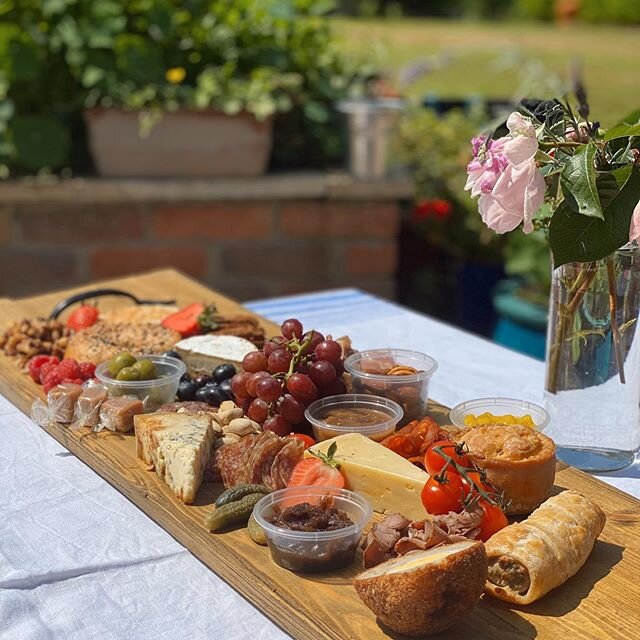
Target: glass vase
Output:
[{"x": 592, "y": 387}]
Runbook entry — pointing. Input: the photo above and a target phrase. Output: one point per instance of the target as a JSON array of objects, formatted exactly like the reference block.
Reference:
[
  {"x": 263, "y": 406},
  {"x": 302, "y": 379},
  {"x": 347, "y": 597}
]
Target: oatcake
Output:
[
  {"x": 139, "y": 314},
  {"x": 104, "y": 340}
]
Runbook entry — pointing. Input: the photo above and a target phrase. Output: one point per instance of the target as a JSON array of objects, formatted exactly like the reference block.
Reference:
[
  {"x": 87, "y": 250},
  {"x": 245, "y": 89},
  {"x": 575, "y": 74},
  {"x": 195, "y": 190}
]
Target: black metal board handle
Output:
[{"x": 97, "y": 293}]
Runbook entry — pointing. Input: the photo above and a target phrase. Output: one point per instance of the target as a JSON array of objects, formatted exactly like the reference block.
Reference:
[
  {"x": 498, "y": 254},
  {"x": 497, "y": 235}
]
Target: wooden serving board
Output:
[{"x": 602, "y": 601}]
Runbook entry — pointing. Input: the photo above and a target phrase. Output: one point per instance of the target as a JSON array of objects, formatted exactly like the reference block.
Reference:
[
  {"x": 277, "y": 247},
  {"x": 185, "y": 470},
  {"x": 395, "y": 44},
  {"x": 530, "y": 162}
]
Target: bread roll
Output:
[{"x": 530, "y": 558}]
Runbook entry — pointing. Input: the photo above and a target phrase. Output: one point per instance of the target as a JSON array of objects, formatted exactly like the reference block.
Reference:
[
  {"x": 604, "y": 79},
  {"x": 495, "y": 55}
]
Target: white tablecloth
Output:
[{"x": 78, "y": 560}]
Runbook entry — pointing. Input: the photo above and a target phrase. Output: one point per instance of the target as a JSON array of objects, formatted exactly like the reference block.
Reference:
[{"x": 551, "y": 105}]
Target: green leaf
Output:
[
  {"x": 628, "y": 126},
  {"x": 579, "y": 179},
  {"x": 39, "y": 141},
  {"x": 577, "y": 238}
]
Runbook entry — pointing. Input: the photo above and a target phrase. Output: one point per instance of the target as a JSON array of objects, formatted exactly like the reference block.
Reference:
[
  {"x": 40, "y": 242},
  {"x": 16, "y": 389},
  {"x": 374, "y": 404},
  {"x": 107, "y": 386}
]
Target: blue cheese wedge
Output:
[
  {"x": 178, "y": 446},
  {"x": 202, "y": 354}
]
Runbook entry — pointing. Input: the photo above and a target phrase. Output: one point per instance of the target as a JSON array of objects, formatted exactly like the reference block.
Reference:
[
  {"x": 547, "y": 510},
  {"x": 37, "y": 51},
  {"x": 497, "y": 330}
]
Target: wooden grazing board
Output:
[{"x": 601, "y": 601}]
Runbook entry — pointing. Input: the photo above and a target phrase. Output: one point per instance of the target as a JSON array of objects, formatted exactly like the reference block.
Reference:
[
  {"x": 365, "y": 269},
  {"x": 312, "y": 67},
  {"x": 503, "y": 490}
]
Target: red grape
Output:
[
  {"x": 339, "y": 367},
  {"x": 302, "y": 388},
  {"x": 291, "y": 328},
  {"x": 315, "y": 340},
  {"x": 258, "y": 410},
  {"x": 334, "y": 388},
  {"x": 239, "y": 384},
  {"x": 329, "y": 350},
  {"x": 278, "y": 425},
  {"x": 322, "y": 372},
  {"x": 269, "y": 347},
  {"x": 279, "y": 360},
  {"x": 268, "y": 389},
  {"x": 253, "y": 381},
  {"x": 291, "y": 410},
  {"x": 254, "y": 361}
]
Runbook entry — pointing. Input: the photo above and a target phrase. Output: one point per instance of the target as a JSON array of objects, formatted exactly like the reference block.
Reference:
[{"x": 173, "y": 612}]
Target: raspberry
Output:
[
  {"x": 46, "y": 368},
  {"x": 35, "y": 365},
  {"x": 87, "y": 370},
  {"x": 53, "y": 379},
  {"x": 69, "y": 368}
]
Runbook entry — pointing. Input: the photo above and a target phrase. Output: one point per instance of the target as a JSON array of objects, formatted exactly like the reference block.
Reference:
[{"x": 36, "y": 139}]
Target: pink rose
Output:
[
  {"x": 504, "y": 174},
  {"x": 634, "y": 230}
]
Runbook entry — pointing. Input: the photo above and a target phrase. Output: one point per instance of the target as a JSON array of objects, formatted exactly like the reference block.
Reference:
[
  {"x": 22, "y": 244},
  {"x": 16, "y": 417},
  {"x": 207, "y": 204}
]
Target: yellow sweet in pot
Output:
[{"x": 484, "y": 419}]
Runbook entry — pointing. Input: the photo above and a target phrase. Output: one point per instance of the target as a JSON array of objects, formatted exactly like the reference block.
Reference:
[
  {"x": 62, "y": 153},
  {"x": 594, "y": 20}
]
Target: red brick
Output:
[
  {"x": 286, "y": 262},
  {"x": 106, "y": 263},
  {"x": 363, "y": 259},
  {"x": 224, "y": 221},
  {"x": 27, "y": 271},
  {"x": 339, "y": 219},
  {"x": 83, "y": 225}
]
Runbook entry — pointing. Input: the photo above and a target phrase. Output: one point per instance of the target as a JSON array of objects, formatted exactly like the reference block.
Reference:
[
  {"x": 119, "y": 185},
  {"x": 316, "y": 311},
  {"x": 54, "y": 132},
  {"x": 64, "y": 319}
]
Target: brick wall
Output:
[{"x": 246, "y": 248}]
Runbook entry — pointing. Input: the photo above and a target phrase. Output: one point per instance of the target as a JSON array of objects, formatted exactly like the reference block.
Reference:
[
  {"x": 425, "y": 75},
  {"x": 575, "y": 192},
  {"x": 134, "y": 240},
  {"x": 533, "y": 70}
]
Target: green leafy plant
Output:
[{"x": 261, "y": 57}]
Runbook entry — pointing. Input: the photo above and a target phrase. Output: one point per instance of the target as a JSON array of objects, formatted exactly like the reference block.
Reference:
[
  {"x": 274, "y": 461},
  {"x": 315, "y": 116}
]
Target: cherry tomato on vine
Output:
[
  {"x": 441, "y": 495},
  {"x": 492, "y": 521},
  {"x": 477, "y": 482},
  {"x": 433, "y": 461}
]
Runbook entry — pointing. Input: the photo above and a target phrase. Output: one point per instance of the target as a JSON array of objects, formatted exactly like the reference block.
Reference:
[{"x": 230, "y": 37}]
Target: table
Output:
[{"x": 78, "y": 560}]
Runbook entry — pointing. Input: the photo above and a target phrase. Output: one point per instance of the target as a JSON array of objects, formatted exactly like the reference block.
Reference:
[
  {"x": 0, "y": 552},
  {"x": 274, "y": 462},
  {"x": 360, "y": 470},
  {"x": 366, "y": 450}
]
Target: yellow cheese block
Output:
[{"x": 387, "y": 480}]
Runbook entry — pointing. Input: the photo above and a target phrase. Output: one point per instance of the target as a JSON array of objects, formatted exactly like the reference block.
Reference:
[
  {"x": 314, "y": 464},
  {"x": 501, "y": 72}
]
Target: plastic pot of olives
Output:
[{"x": 152, "y": 379}]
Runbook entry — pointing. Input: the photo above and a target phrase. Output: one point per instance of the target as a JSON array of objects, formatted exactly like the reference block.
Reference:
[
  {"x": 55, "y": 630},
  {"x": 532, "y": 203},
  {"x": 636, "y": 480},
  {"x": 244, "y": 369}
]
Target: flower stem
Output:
[
  {"x": 613, "y": 308},
  {"x": 584, "y": 278}
]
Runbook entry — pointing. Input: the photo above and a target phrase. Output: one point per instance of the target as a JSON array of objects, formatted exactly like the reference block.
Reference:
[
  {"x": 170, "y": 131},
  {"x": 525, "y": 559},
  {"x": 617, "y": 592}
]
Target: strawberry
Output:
[
  {"x": 53, "y": 379},
  {"x": 47, "y": 367},
  {"x": 35, "y": 365},
  {"x": 321, "y": 470},
  {"x": 87, "y": 370},
  {"x": 83, "y": 317},
  {"x": 69, "y": 368}
]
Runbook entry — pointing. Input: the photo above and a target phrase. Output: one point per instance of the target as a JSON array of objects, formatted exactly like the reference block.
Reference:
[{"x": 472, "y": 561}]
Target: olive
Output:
[
  {"x": 120, "y": 361},
  {"x": 146, "y": 368},
  {"x": 202, "y": 380},
  {"x": 213, "y": 395},
  {"x": 187, "y": 390},
  {"x": 128, "y": 374},
  {"x": 225, "y": 386},
  {"x": 223, "y": 372},
  {"x": 172, "y": 354}
]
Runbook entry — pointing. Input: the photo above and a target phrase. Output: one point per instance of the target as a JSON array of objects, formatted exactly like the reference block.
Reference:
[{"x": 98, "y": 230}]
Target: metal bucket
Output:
[{"x": 369, "y": 125}]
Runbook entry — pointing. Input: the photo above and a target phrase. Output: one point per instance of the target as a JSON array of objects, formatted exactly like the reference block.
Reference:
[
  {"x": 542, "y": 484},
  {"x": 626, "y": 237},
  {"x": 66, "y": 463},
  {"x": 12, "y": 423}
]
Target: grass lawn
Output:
[{"x": 506, "y": 59}]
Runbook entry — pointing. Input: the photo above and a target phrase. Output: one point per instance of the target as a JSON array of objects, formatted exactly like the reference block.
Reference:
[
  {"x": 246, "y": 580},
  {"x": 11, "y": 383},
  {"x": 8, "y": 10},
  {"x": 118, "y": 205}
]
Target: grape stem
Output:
[{"x": 298, "y": 349}]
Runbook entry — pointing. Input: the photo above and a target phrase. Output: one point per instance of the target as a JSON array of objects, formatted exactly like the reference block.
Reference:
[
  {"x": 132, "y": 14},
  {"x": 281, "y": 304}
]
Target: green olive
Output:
[
  {"x": 146, "y": 368},
  {"x": 120, "y": 361},
  {"x": 128, "y": 374}
]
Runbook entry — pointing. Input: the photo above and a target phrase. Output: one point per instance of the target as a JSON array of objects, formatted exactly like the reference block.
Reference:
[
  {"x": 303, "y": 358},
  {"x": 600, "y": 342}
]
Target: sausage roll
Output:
[
  {"x": 530, "y": 558},
  {"x": 519, "y": 461}
]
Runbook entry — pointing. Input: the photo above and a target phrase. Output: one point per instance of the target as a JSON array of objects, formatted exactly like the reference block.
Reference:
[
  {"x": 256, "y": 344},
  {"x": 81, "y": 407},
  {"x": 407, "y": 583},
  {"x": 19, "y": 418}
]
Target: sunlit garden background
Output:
[{"x": 84, "y": 82}]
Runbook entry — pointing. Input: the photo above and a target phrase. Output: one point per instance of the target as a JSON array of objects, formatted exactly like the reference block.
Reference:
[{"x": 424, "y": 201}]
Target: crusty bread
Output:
[
  {"x": 103, "y": 340},
  {"x": 138, "y": 313},
  {"x": 425, "y": 592}
]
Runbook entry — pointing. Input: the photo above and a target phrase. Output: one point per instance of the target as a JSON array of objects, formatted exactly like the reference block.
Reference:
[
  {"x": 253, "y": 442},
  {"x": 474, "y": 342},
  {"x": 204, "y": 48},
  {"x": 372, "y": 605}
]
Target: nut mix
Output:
[{"x": 31, "y": 337}]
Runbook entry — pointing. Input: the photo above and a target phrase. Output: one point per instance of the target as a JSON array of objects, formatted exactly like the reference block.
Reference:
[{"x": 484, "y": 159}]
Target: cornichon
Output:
[
  {"x": 232, "y": 513},
  {"x": 235, "y": 493},
  {"x": 256, "y": 532}
]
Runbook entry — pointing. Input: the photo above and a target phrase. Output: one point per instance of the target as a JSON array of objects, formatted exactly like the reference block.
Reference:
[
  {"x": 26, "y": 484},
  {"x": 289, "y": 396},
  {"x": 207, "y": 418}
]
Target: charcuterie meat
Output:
[{"x": 287, "y": 458}]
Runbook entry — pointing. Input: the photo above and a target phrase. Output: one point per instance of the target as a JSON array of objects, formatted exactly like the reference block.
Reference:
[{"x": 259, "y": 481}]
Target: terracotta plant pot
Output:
[{"x": 183, "y": 143}]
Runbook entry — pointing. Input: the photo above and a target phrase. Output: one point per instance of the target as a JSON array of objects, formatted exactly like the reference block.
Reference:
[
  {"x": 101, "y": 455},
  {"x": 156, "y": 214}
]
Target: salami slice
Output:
[
  {"x": 266, "y": 462},
  {"x": 231, "y": 460},
  {"x": 287, "y": 458},
  {"x": 266, "y": 440}
]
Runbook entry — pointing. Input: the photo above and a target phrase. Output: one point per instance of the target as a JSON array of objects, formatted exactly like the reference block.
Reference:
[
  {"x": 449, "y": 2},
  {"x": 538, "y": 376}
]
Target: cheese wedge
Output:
[
  {"x": 387, "y": 480},
  {"x": 202, "y": 354},
  {"x": 178, "y": 446}
]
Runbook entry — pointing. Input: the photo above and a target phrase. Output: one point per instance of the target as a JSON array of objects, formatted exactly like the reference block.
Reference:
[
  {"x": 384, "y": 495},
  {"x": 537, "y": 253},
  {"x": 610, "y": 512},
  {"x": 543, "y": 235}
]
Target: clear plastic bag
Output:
[
  {"x": 117, "y": 413},
  {"x": 40, "y": 413},
  {"x": 62, "y": 402},
  {"x": 87, "y": 408}
]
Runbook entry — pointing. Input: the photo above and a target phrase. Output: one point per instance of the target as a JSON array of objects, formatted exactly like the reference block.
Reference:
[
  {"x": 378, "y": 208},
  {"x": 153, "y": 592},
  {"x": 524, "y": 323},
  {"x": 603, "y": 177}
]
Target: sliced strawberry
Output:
[
  {"x": 322, "y": 470},
  {"x": 83, "y": 317}
]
